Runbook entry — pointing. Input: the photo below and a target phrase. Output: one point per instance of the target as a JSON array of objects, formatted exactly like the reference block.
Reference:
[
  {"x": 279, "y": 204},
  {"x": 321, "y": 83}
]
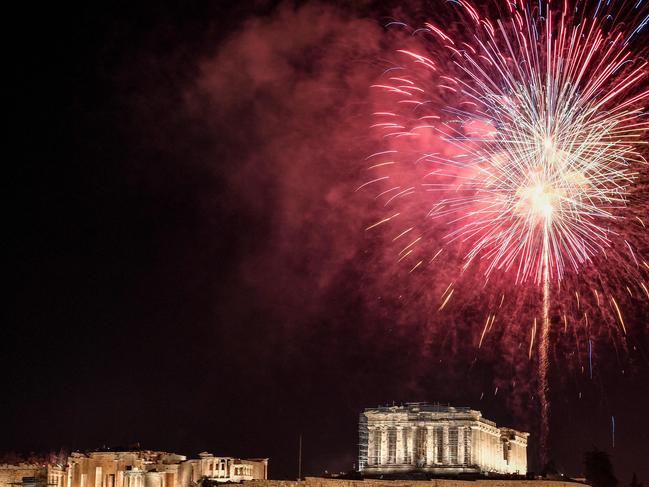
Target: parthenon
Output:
[{"x": 430, "y": 438}]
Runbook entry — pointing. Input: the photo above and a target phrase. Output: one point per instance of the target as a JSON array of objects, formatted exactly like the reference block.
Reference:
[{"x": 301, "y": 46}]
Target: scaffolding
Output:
[
  {"x": 362, "y": 442},
  {"x": 375, "y": 454},
  {"x": 453, "y": 445},
  {"x": 423, "y": 437},
  {"x": 439, "y": 441},
  {"x": 420, "y": 446},
  {"x": 467, "y": 446},
  {"x": 407, "y": 454},
  {"x": 392, "y": 445}
]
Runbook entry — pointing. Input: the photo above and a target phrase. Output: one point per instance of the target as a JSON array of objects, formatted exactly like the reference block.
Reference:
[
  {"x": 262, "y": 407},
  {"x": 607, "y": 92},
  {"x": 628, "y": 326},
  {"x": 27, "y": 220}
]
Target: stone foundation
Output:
[{"x": 323, "y": 482}]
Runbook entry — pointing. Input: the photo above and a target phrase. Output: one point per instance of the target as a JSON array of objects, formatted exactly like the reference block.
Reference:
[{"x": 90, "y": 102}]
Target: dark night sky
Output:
[{"x": 191, "y": 268}]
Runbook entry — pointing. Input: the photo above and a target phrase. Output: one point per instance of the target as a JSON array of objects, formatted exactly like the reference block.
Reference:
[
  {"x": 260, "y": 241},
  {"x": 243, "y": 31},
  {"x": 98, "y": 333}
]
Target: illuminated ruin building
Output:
[
  {"x": 437, "y": 440},
  {"x": 141, "y": 468}
]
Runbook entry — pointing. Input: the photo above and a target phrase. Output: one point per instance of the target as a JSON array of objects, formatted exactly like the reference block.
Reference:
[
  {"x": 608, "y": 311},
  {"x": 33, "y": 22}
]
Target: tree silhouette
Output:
[
  {"x": 598, "y": 469},
  {"x": 550, "y": 471},
  {"x": 634, "y": 481}
]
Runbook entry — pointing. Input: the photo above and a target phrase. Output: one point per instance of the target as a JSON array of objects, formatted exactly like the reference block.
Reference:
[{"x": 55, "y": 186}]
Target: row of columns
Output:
[
  {"x": 211, "y": 467},
  {"x": 405, "y": 446}
]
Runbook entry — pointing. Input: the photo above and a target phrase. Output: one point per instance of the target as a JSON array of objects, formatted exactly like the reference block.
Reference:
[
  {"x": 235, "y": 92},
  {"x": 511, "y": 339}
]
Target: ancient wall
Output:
[
  {"x": 322, "y": 482},
  {"x": 259, "y": 468},
  {"x": 15, "y": 473}
]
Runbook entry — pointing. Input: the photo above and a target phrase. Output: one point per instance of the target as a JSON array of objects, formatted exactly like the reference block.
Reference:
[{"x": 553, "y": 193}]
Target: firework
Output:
[{"x": 526, "y": 131}]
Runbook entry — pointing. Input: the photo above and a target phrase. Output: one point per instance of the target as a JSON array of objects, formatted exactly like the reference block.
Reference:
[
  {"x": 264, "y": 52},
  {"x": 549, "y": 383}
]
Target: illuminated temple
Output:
[
  {"x": 134, "y": 468},
  {"x": 437, "y": 440}
]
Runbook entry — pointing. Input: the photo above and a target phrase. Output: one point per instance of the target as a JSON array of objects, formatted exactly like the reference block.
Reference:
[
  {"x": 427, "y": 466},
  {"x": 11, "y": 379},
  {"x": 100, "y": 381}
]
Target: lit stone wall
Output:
[
  {"x": 137, "y": 469},
  {"x": 322, "y": 482},
  {"x": 225, "y": 469},
  {"x": 157, "y": 469},
  {"x": 258, "y": 466},
  {"x": 15, "y": 473},
  {"x": 56, "y": 476},
  {"x": 123, "y": 469}
]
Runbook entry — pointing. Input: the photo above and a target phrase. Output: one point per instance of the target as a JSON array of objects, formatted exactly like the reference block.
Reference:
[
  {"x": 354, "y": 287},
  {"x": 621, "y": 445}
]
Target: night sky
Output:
[{"x": 191, "y": 267}]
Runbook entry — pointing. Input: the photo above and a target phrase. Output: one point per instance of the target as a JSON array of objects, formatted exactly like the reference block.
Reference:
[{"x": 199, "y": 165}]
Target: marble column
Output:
[
  {"x": 384, "y": 446},
  {"x": 370, "y": 447},
  {"x": 430, "y": 445},
  {"x": 445, "y": 446},
  {"x": 468, "y": 453},
  {"x": 425, "y": 441},
  {"x": 476, "y": 447},
  {"x": 399, "y": 456},
  {"x": 460, "y": 445},
  {"x": 436, "y": 445},
  {"x": 411, "y": 444}
]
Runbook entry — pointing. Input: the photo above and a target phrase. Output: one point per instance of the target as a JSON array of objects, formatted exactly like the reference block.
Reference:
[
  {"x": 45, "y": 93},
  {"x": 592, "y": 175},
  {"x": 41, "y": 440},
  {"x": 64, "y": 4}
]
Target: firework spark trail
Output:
[
  {"x": 529, "y": 139},
  {"x": 544, "y": 345}
]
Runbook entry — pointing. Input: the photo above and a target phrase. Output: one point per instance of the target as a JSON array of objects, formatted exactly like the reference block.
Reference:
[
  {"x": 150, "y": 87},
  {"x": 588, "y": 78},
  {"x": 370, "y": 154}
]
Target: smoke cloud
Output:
[{"x": 274, "y": 120}]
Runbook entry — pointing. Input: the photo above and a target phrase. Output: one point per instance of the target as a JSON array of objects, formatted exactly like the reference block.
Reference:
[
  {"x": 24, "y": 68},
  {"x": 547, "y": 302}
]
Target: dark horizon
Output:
[{"x": 192, "y": 270}]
